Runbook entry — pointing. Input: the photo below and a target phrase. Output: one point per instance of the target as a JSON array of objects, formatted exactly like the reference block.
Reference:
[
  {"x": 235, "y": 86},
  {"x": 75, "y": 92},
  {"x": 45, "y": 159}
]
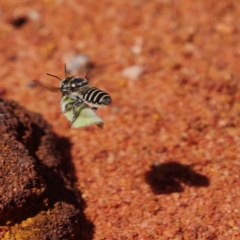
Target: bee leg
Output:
[
  {"x": 68, "y": 105},
  {"x": 74, "y": 116},
  {"x": 75, "y": 105},
  {"x": 94, "y": 108},
  {"x": 63, "y": 95}
]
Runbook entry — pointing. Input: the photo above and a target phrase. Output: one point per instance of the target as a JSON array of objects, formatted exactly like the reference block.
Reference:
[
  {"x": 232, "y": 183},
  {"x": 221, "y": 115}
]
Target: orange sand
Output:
[{"x": 166, "y": 164}]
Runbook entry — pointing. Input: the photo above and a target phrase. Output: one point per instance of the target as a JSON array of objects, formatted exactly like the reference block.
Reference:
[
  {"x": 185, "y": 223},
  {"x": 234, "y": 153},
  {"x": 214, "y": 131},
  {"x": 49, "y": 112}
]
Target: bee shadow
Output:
[{"x": 170, "y": 177}]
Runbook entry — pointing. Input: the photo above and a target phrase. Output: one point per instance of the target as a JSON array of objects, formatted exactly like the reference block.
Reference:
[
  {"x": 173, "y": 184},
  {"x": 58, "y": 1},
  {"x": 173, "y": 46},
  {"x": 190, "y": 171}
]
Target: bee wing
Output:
[
  {"x": 86, "y": 116},
  {"x": 93, "y": 70},
  {"x": 50, "y": 88}
]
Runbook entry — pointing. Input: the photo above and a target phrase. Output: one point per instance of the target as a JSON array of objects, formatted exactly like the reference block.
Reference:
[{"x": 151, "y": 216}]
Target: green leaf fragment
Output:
[{"x": 85, "y": 115}]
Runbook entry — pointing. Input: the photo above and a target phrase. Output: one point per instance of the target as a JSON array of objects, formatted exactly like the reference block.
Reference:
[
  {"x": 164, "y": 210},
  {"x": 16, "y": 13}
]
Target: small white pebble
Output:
[
  {"x": 79, "y": 62},
  {"x": 133, "y": 72},
  {"x": 34, "y": 15},
  {"x": 136, "y": 50}
]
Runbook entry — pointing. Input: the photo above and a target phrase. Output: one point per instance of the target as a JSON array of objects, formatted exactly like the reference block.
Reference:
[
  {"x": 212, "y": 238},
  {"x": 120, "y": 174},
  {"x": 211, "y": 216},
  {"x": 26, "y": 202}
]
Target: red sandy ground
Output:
[{"x": 166, "y": 165}]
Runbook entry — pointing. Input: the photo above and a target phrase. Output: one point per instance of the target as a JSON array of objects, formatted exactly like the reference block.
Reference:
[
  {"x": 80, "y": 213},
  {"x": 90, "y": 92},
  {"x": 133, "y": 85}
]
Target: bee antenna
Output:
[
  {"x": 65, "y": 69},
  {"x": 87, "y": 74},
  {"x": 54, "y": 76}
]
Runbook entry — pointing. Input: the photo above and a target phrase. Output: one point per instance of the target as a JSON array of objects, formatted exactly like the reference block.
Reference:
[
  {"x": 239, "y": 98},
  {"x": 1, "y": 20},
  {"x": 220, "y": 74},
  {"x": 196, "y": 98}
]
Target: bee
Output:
[{"x": 79, "y": 90}]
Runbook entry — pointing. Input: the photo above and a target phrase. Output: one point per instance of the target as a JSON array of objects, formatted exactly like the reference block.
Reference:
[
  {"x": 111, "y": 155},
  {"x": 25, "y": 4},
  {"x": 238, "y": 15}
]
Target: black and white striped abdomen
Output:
[{"x": 96, "y": 97}]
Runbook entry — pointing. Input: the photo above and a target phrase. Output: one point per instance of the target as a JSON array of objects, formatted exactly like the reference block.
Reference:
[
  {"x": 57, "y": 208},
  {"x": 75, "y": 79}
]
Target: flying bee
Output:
[{"x": 79, "y": 90}]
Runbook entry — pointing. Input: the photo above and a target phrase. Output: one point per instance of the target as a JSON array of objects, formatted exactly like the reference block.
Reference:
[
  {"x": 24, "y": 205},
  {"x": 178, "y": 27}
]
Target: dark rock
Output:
[{"x": 38, "y": 195}]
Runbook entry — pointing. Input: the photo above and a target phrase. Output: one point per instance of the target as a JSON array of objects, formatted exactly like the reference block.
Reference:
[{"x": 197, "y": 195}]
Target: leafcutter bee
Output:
[{"x": 79, "y": 90}]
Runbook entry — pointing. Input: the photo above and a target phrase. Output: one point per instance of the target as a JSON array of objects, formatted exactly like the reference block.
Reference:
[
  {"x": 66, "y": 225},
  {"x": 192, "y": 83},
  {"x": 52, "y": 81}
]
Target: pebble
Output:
[
  {"x": 78, "y": 63},
  {"x": 188, "y": 50},
  {"x": 31, "y": 84},
  {"x": 133, "y": 72},
  {"x": 18, "y": 21},
  {"x": 136, "y": 49},
  {"x": 33, "y": 15}
]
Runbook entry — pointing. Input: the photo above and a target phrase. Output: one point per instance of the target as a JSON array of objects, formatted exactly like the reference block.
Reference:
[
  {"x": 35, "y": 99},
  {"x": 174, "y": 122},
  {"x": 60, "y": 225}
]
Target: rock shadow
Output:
[{"x": 57, "y": 176}]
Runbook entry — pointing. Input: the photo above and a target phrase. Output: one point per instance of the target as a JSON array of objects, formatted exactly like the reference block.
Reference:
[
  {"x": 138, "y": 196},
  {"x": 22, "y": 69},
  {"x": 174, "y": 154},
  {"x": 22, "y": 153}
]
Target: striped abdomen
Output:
[{"x": 96, "y": 97}]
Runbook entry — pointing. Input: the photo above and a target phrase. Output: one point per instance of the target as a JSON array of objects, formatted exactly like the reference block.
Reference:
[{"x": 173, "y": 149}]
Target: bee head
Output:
[{"x": 64, "y": 84}]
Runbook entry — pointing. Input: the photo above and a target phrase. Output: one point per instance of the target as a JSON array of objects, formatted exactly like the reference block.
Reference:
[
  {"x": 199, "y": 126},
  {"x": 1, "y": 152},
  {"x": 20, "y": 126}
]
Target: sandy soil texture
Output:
[{"x": 166, "y": 164}]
